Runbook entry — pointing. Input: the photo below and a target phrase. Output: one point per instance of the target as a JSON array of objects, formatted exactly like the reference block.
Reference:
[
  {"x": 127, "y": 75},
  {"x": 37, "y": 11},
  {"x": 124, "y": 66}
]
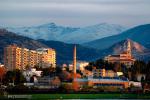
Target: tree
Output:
[
  {"x": 37, "y": 67},
  {"x": 19, "y": 78},
  {"x": 32, "y": 79},
  {"x": 125, "y": 70},
  {"x": 9, "y": 77},
  {"x": 2, "y": 73},
  {"x": 45, "y": 71},
  {"x": 89, "y": 67},
  {"x": 139, "y": 67},
  {"x": 100, "y": 64},
  {"x": 142, "y": 82},
  {"x": 117, "y": 67},
  {"x": 148, "y": 72},
  {"x": 27, "y": 67},
  {"x": 15, "y": 77},
  {"x": 58, "y": 70}
]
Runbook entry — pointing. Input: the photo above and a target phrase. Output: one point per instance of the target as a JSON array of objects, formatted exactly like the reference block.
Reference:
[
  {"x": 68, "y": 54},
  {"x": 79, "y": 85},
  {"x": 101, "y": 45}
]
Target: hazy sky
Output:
[{"x": 74, "y": 12}]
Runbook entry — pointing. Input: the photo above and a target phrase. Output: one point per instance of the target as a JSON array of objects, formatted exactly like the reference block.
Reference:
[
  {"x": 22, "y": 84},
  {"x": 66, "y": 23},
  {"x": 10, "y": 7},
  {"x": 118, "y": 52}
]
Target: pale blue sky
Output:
[{"x": 74, "y": 12}]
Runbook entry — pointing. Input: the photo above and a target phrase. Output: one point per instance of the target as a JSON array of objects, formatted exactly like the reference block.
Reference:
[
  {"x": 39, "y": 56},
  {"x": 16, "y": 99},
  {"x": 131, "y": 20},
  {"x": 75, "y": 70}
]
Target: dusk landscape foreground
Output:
[{"x": 77, "y": 53}]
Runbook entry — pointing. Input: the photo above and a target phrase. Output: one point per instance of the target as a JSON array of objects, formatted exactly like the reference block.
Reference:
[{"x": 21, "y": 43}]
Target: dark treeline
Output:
[{"x": 139, "y": 67}]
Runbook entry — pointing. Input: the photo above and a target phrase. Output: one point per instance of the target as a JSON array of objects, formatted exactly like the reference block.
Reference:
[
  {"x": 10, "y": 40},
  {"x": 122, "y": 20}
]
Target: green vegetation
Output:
[
  {"x": 89, "y": 96},
  {"x": 14, "y": 76}
]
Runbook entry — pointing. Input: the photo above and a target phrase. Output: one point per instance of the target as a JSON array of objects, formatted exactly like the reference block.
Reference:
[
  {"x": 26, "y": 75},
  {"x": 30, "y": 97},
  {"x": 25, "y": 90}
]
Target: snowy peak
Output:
[
  {"x": 139, "y": 34},
  {"x": 51, "y": 31},
  {"x": 94, "y": 32}
]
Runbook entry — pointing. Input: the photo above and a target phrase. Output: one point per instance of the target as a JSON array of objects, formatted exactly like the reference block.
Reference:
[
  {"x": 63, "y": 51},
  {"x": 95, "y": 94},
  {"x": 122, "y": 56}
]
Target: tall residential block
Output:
[
  {"x": 48, "y": 56},
  {"x": 18, "y": 58},
  {"x": 12, "y": 57}
]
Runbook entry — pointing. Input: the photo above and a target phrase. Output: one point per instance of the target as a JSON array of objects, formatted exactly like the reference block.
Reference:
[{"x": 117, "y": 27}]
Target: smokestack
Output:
[
  {"x": 75, "y": 83},
  {"x": 74, "y": 60}
]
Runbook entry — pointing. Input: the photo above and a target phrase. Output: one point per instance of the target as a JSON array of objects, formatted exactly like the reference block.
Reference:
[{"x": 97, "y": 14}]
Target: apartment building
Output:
[{"x": 18, "y": 58}]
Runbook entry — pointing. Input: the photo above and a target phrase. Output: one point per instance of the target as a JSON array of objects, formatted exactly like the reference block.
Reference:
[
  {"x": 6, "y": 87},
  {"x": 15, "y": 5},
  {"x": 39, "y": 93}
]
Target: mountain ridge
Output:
[
  {"x": 132, "y": 33},
  {"x": 138, "y": 51},
  {"x": 8, "y": 38},
  {"x": 64, "y": 51},
  {"x": 51, "y": 31},
  {"x": 93, "y": 32}
]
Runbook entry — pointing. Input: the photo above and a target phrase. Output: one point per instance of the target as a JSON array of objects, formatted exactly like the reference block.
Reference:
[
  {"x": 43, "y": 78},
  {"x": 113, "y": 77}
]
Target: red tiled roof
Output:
[{"x": 125, "y": 52}]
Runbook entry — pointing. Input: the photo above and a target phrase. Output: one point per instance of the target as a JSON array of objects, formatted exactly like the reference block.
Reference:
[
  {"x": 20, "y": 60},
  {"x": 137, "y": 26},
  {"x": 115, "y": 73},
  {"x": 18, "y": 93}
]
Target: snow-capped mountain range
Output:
[{"x": 51, "y": 31}]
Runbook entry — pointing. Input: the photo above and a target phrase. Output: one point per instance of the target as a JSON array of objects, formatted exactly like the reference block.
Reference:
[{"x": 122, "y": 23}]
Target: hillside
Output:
[
  {"x": 65, "y": 51},
  {"x": 94, "y": 32},
  {"x": 138, "y": 51},
  {"x": 138, "y": 34},
  {"x": 51, "y": 31},
  {"x": 7, "y": 38}
]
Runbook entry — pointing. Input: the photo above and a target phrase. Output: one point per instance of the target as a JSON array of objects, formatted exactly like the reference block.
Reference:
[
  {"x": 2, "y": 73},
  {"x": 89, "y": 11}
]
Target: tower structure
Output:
[
  {"x": 75, "y": 83},
  {"x": 74, "y": 60},
  {"x": 129, "y": 47}
]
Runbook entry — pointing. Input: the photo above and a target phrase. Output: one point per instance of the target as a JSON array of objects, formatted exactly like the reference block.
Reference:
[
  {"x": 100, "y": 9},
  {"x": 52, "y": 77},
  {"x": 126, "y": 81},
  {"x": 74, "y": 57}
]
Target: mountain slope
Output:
[
  {"x": 93, "y": 32},
  {"x": 138, "y": 51},
  {"x": 139, "y": 34},
  {"x": 64, "y": 51},
  {"x": 7, "y": 38},
  {"x": 51, "y": 31},
  {"x": 48, "y": 31}
]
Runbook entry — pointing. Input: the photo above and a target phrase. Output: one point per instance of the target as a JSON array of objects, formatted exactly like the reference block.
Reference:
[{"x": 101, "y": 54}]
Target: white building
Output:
[
  {"x": 31, "y": 72},
  {"x": 1, "y": 65},
  {"x": 48, "y": 57},
  {"x": 81, "y": 65}
]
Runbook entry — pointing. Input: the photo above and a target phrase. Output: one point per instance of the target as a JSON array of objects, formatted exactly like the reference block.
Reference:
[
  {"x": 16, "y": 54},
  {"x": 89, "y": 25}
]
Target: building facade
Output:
[
  {"x": 125, "y": 57},
  {"x": 18, "y": 58},
  {"x": 103, "y": 77},
  {"x": 48, "y": 57},
  {"x": 12, "y": 57},
  {"x": 81, "y": 65},
  {"x": 103, "y": 73}
]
